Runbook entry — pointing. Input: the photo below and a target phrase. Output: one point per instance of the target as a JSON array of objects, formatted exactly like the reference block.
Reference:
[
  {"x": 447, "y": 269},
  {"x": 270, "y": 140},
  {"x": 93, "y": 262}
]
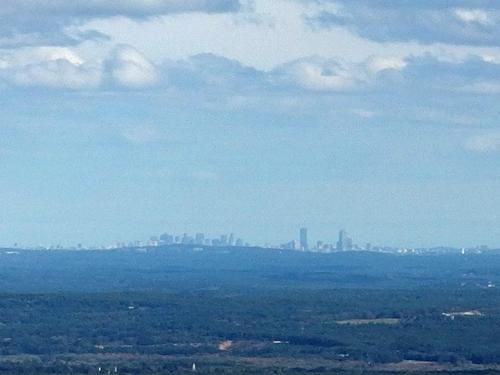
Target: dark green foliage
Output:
[{"x": 194, "y": 323}]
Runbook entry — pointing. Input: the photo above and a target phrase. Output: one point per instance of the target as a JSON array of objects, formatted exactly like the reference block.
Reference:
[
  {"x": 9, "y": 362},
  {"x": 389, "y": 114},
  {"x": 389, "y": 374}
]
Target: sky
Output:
[{"x": 125, "y": 119}]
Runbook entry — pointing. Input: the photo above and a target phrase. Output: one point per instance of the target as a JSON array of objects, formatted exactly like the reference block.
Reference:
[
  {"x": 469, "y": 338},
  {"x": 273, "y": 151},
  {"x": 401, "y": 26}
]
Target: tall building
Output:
[
  {"x": 303, "y": 239},
  {"x": 345, "y": 242}
]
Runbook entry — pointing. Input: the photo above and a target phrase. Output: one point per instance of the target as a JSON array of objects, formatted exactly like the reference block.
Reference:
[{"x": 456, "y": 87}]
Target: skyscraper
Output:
[
  {"x": 345, "y": 242},
  {"x": 303, "y": 239}
]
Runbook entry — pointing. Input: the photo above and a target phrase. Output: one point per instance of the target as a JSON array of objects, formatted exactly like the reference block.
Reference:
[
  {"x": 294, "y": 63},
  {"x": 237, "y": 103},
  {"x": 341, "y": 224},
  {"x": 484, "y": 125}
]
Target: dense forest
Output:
[{"x": 247, "y": 311}]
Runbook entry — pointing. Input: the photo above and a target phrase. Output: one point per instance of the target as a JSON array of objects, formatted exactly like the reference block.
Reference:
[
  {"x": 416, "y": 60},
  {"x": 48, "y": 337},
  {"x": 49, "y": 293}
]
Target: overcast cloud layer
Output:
[{"x": 378, "y": 116}]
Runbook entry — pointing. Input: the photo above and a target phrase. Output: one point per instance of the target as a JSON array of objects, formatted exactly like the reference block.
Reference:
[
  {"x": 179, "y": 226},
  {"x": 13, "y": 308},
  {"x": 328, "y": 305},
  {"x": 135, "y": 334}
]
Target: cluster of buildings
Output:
[
  {"x": 197, "y": 239},
  {"x": 344, "y": 243}
]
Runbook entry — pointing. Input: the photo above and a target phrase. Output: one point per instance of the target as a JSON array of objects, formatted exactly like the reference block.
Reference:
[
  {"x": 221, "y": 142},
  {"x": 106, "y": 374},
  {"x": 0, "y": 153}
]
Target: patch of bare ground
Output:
[{"x": 225, "y": 345}]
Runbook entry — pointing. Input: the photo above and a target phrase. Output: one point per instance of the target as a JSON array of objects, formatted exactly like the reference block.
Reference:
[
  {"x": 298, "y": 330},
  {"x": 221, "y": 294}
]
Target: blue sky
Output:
[{"x": 121, "y": 120}]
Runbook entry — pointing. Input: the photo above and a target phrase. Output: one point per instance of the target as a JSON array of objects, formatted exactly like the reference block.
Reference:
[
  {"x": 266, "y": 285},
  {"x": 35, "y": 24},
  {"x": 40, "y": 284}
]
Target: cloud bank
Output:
[
  {"x": 474, "y": 22},
  {"x": 38, "y": 22}
]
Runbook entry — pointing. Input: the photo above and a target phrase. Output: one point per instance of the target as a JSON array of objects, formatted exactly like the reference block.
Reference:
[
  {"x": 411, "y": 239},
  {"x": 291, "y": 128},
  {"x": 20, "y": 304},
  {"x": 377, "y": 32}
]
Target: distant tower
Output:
[
  {"x": 345, "y": 242},
  {"x": 303, "y": 239}
]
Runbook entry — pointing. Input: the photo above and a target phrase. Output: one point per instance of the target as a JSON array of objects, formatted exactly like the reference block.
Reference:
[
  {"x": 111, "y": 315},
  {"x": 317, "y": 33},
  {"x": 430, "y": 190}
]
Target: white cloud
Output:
[
  {"x": 57, "y": 74},
  {"x": 277, "y": 29},
  {"x": 35, "y": 22},
  {"x": 489, "y": 58},
  {"x": 28, "y": 56},
  {"x": 130, "y": 68},
  {"x": 334, "y": 75},
  {"x": 484, "y": 143},
  {"x": 62, "y": 54},
  {"x": 478, "y": 16},
  {"x": 322, "y": 77},
  {"x": 281, "y": 37},
  {"x": 63, "y": 67},
  {"x": 378, "y": 64},
  {"x": 55, "y": 67}
]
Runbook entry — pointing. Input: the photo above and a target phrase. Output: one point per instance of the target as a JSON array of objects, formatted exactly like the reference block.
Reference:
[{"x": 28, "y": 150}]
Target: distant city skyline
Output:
[{"x": 343, "y": 242}]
